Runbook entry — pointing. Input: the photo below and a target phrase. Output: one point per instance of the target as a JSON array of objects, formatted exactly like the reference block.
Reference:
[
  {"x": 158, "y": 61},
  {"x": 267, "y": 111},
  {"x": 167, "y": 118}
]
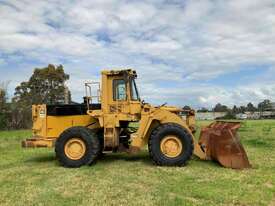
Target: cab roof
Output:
[{"x": 115, "y": 72}]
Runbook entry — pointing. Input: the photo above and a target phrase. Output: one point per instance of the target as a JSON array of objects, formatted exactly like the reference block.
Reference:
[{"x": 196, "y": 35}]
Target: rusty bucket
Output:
[{"x": 220, "y": 142}]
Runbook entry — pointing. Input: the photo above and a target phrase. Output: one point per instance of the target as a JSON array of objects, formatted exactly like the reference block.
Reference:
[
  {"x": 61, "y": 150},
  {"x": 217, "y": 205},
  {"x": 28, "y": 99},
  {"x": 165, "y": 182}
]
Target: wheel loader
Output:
[{"x": 113, "y": 118}]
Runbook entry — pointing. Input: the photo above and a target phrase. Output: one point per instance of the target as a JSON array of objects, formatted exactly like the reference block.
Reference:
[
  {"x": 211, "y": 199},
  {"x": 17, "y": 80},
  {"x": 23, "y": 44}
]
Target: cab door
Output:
[
  {"x": 120, "y": 96},
  {"x": 135, "y": 103}
]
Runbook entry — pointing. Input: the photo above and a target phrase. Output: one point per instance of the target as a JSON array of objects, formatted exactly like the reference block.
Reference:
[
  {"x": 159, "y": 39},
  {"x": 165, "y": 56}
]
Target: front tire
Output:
[
  {"x": 170, "y": 145},
  {"x": 77, "y": 146}
]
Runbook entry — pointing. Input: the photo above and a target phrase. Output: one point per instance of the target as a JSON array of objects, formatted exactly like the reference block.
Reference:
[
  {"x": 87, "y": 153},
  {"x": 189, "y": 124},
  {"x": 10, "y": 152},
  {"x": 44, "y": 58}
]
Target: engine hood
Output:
[{"x": 171, "y": 109}]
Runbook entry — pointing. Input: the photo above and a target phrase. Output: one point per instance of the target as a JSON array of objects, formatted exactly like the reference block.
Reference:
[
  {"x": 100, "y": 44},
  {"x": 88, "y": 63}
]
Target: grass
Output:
[{"x": 33, "y": 176}]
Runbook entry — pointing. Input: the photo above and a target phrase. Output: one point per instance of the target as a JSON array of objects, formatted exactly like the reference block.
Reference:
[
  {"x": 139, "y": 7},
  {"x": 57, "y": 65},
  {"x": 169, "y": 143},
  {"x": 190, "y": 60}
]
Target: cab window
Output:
[{"x": 119, "y": 89}]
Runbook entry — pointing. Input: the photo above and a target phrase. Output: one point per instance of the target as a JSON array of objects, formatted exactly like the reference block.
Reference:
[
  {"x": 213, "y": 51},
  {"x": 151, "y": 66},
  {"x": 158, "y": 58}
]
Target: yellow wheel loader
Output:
[{"x": 107, "y": 122}]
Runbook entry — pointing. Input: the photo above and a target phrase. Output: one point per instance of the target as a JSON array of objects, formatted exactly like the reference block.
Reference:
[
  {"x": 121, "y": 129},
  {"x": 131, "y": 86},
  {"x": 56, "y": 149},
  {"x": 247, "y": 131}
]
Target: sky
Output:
[{"x": 186, "y": 52}]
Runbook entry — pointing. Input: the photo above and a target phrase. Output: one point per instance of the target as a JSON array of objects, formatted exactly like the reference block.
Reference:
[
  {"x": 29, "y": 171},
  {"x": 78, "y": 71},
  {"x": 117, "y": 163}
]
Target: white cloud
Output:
[{"x": 168, "y": 42}]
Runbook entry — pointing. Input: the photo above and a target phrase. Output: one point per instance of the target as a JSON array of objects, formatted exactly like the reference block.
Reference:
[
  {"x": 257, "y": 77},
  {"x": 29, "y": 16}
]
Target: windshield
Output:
[
  {"x": 134, "y": 91},
  {"x": 119, "y": 89}
]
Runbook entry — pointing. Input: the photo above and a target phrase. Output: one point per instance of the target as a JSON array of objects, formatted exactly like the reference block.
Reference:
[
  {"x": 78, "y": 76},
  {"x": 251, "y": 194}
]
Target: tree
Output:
[
  {"x": 220, "y": 108},
  {"x": 235, "y": 110},
  {"x": 45, "y": 86},
  {"x": 250, "y": 107},
  {"x": 3, "y": 99},
  {"x": 3, "y": 108},
  {"x": 242, "y": 109},
  {"x": 265, "y": 105}
]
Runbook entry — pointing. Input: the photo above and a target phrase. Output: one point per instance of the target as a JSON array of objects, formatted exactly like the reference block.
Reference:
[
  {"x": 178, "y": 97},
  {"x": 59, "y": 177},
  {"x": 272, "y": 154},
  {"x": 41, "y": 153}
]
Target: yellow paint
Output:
[
  {"x": 38, "y": 142},
  {"x": 75, "y": 149},
  {"x": 112, "y": 113},
  {"x": 171, "y": 146},
  {"x": 65, "y": 122},
  {"x": 52, "y": 126}
]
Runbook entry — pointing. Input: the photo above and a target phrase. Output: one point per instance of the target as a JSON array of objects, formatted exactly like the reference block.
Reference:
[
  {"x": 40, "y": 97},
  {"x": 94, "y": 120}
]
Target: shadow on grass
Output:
[
  {"x": 205, "y": 163},
  {"x": 110, "y": 158},
  {"x": 105, "y": 159},
  {"x": 145, "y": 159},
  {"x": 42, "y": 159}
]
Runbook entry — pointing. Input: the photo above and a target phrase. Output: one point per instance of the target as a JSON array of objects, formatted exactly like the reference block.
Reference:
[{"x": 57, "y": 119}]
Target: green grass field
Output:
[{"x": 33, "y": 176}]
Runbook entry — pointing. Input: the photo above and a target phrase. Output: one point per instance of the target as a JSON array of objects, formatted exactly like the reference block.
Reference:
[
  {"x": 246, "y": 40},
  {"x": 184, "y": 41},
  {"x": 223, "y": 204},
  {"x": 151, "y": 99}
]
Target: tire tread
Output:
[
  {"x": 160, "y": 159},
  {"x": 92, "y": 146}
]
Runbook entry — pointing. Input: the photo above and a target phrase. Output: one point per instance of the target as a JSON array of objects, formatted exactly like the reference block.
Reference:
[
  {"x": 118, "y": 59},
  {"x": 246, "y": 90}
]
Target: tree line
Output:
[
  {"x": 265, "y": 105},
  {"x": 45, "y": 86}
]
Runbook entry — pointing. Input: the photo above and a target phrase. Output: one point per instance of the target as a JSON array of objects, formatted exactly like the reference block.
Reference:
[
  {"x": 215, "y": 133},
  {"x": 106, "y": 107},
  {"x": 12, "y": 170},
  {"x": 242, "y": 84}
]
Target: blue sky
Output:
[{"x": 185, "y": 52}]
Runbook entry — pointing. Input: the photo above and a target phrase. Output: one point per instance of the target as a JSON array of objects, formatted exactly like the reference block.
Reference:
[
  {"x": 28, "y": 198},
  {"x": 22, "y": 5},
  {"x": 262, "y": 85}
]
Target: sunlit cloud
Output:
[{"x": 186, "y": 52}]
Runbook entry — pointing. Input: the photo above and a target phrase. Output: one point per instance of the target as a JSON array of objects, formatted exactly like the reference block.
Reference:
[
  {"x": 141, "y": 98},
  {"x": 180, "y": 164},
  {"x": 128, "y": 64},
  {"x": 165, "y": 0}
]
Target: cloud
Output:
[{"x": 178, "y": 47}]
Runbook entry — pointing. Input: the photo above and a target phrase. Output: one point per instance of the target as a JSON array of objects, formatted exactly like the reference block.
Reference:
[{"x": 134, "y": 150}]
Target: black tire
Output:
[
  {"x": 90, "y": 140},
  {"x": 155, "y": 141},
  {"x": 99, "y": 132}
]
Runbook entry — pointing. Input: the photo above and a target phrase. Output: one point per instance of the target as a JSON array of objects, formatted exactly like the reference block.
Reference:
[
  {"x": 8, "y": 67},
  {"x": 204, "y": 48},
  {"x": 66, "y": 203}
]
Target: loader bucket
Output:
[{"x": 220, "y": 142}]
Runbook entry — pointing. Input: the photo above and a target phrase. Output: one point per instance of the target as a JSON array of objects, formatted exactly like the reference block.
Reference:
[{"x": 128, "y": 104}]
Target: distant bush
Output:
[
  {"x": 3, "y": 121},
  {"x": 227, "y": 116}
]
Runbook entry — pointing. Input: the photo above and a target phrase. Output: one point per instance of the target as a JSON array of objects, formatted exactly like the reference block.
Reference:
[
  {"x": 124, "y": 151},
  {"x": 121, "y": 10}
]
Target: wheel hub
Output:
[
  {"x": 171, "y": 146},
  {"x": 75, "y": 149}
]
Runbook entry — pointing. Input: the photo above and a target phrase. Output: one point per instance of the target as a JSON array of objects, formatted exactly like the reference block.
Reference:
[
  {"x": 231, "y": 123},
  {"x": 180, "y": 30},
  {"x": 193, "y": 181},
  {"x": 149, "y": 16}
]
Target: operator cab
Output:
[
  {"x": 118, "y": 92},
  {"x": 120, "y": 89}
]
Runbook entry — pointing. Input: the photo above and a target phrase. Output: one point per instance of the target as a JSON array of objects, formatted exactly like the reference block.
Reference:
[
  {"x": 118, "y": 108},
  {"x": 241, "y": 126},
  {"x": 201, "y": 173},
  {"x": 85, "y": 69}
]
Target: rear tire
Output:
[
  {"x": 77, "y": 146},
  {"x": 182, "y": 145}
]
